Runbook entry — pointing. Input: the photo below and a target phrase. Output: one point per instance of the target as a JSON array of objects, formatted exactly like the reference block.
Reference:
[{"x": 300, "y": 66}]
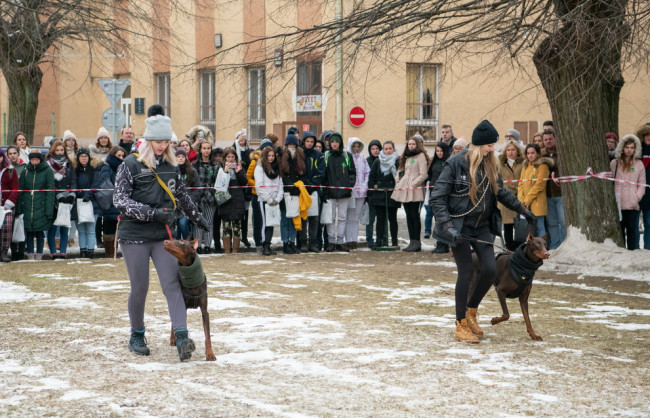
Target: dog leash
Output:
[{"x": 480, "y": 241}]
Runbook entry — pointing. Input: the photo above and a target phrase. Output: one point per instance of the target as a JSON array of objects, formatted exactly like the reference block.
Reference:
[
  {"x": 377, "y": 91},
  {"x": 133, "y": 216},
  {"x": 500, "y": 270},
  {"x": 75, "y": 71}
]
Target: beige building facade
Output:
[{"x": 263, "y": 88}]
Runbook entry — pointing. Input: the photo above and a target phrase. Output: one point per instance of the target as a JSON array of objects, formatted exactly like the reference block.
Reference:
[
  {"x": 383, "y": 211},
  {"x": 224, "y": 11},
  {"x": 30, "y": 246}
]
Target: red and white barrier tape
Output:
[{"x": 604, "y": 175}]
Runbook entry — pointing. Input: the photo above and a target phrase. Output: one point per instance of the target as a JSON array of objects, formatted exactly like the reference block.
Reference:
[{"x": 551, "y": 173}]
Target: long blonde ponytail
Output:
[{"x": 475, "y": 157}]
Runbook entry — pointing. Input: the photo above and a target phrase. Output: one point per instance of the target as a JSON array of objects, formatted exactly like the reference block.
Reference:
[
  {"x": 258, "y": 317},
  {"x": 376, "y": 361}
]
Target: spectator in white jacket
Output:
[
  {"x": 359, "y": 194},
  {"x": 269, "y": 189}
]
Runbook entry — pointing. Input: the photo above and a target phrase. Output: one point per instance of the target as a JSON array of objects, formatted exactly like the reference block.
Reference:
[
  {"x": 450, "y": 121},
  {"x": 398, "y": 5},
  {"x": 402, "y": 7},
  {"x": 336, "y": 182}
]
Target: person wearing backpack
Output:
[{"x": 339, "y": 172}]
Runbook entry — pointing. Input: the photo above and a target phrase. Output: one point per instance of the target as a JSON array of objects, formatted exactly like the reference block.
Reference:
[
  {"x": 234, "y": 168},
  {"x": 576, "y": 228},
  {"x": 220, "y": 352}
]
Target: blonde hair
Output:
[
  {"x": 148, "y": 157},
  {"x": 475, "y": 157}
]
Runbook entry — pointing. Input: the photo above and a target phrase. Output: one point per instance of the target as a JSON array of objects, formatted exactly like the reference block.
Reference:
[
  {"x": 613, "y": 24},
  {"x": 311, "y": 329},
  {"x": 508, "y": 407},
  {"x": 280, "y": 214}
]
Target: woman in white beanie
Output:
[
  {"x": 148, "y": 190},
  {"x": 70, "y": 144},
  {"x": 103, "y": 145}
]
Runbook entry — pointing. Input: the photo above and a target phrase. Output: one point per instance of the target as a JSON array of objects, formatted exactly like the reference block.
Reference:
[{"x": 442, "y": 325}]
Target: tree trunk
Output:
[
  {"x": 24, "y": 85},
  {"x": 580, "y": 71}
]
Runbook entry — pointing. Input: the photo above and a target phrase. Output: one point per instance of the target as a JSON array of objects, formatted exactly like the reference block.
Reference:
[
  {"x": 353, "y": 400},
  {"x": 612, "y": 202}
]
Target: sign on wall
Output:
[{"x": 311, "y": 103}]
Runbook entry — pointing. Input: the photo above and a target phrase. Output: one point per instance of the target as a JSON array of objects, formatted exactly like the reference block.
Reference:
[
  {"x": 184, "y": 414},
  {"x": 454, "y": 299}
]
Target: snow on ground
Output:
[
  {"x": 577, "y": 255},
  {"x": 358, "y": 334}
]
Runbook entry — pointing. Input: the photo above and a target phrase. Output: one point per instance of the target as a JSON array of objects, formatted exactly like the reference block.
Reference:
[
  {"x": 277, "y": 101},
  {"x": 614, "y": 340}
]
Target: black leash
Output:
[{"x": 486, "y": 242}]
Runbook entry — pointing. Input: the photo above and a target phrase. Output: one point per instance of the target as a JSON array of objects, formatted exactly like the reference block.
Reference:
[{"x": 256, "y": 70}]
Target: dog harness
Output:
[{"x": 522, "y": 270}]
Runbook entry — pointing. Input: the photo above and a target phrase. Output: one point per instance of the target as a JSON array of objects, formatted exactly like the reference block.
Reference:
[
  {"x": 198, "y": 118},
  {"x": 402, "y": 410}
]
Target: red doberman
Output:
[
  {"x": 195, "y": 297},
  {"x": 525, "y": 261}
]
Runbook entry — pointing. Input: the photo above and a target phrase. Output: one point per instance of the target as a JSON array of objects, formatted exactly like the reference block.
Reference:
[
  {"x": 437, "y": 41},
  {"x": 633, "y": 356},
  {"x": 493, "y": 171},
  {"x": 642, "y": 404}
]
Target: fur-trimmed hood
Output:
[
  {"x": 543, "y": 160},
  {"x": 637, "y": 143},
  {"x": 504, "y": 160},
  {"x": 641, "y": 132},
  {"x": 196, "y": 128},
  {"x": 355, "y": 140}
]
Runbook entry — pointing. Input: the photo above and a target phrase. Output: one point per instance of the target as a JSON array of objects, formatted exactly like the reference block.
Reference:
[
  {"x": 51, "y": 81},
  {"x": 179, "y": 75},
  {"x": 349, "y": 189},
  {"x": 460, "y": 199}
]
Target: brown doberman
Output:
[
  {"x": 508, "y": 286},
  {"x": 195, "y": 297}
]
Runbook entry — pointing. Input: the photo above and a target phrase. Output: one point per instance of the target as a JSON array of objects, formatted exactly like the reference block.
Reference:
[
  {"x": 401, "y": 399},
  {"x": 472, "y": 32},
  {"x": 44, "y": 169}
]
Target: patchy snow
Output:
[
  {"x": 12, "y": 292},
  {"x": 577, "y": 255}
]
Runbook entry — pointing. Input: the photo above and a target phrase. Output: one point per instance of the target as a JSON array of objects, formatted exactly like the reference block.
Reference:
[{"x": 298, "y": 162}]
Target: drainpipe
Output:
[{"x": 339, "y": 70}]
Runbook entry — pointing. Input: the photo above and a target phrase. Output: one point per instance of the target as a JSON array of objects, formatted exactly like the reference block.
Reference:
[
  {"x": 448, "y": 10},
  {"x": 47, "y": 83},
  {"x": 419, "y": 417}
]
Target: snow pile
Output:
[{"x": 577, "y": 255}]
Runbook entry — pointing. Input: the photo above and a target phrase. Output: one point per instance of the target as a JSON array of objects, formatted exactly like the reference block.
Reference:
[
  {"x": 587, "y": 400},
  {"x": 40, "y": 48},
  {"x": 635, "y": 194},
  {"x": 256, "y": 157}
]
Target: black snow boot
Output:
[
  {"x": 138, "y": 344},
  {"x": 184, "y": 345}
]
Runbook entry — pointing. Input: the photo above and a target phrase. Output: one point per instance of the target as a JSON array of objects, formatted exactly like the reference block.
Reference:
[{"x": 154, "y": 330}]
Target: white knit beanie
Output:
[
  {"x": 68, "y": 135},
  {"x": 103, "y": 132},
  {"x": 158, "y": 128}
]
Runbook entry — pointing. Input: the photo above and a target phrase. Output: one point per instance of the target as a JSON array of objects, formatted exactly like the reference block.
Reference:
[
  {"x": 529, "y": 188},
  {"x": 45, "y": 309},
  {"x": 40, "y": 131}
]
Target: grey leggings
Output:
[{"x": 136, "y": 257}]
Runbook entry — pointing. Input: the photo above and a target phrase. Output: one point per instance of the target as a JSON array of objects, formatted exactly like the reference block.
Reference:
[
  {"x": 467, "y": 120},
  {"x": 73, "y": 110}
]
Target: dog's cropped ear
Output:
[
  {"x": 544, "y": 237},
  {"x": 195, "y": 243},
  {"x": 529, "y": 238}
]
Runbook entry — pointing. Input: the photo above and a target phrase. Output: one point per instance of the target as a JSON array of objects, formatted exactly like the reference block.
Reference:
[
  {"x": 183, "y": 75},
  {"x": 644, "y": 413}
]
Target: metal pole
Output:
[
  {"x": 53, "y": 126},
  {"x": 4, "y": 128},
  {"x": 339, "y": 70}
]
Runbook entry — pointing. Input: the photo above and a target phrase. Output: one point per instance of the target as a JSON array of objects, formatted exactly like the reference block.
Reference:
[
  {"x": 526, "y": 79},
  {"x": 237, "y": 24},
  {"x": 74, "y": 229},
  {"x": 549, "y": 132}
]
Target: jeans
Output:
[
  {"x": 287, "y": 228},
  {"x": 428, "y": 219},
  {"x": 183, "y": 228},
  {"x": 541, "y": 229},
  {"x": 87, "y": 235},
  {"x": 556, "y": 223},
  {"x": 63, "y": 239},
  {"x": 646, "y": 228}
]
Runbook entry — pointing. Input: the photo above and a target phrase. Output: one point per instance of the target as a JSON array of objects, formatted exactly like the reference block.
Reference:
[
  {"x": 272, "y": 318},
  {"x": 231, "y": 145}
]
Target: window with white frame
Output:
[
  {"x": 162, "y": 92},
  {"x": 256, "y": 103},
  {"x": 422, "y": 99},
  {"x": 207, "y": 100}
]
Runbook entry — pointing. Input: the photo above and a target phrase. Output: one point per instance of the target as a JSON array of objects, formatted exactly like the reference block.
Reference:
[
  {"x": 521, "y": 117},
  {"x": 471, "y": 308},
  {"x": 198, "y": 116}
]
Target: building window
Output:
[
  {"x": 162, "y": 92},
  {"x": 256, "y": 103},
  {"x": 309, "y": 88},
  {"x": 207, "y": 105},
  {"x": 422, "y": 100}
]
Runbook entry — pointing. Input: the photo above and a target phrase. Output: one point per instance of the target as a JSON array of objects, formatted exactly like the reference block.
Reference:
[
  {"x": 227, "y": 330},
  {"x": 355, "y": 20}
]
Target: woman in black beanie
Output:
[{"x": 464, "y": 203}]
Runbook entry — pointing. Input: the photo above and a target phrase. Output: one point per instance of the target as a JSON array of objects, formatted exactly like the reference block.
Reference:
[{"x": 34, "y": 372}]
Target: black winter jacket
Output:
[
  {"x": 290, "y": 178},
  {"x": 234, "y": 208},
  {"x": 379, "y": 180},
  {"x": 450, "y": 198},
  {"x": 644, "y": 204},
  {"x": 315, "y": 164},
  {"x": 138, "y": 194},
  {"x": 339, "y": 172}
]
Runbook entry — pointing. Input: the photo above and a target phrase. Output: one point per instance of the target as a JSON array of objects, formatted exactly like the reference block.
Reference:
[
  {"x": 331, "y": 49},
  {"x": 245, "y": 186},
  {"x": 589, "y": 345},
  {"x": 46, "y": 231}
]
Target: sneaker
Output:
[
  {"x": 184, "y": 345},
  {"x": 138, "y": 343},
  {"x": 330, "y": 247},
  {"x": 427, "y": 235}
]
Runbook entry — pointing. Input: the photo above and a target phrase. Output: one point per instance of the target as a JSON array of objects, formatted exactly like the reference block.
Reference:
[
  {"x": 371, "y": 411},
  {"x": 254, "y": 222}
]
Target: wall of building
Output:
[{"x": 471, "y": 88}]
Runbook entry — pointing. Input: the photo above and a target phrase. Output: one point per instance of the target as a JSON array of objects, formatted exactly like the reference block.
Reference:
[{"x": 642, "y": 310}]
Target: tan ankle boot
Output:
[
  {"x": 235, "y": 245},
  {"x": 227, "y": 245},
  {"x": 463, "y": 333},
  {"x": 472, "y": 321}
]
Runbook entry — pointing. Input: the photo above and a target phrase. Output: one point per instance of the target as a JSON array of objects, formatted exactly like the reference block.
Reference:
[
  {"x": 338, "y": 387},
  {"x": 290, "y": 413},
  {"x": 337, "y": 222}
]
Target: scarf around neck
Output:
[
  {"x": 58, "y": 163},
  {"x": 387, "y": 163},
  {"x": 413, "y": 153},
  {"x": 274, "y": 170}
]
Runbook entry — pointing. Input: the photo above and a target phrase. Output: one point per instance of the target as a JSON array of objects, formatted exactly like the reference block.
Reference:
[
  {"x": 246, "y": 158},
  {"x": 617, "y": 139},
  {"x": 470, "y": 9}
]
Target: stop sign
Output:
[{"x": 357, "y": 116}]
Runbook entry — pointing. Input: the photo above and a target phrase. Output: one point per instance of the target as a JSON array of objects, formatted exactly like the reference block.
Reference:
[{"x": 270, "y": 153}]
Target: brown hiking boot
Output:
[
  {"x": 464, "y": 334},
  {"x": 227, "y": 245},
  {"x": 472, "y": 321},
  {"x": 235, "y": 245}
]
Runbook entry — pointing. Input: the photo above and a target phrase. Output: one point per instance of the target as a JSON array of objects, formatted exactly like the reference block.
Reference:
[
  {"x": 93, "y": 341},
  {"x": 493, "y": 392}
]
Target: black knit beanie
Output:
[{"x": 484, "y": 134}]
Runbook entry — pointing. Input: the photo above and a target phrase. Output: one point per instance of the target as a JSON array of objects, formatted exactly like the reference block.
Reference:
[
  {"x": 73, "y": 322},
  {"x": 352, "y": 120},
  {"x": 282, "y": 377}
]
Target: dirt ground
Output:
[{"x": 359, "y": 334}]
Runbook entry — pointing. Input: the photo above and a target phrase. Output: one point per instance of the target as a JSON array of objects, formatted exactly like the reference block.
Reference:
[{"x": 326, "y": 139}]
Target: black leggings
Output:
[
  {"x": 413, "y": 222},
  {"x": 380, "y": 212},
  {"x": 488, "y": 265}
]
